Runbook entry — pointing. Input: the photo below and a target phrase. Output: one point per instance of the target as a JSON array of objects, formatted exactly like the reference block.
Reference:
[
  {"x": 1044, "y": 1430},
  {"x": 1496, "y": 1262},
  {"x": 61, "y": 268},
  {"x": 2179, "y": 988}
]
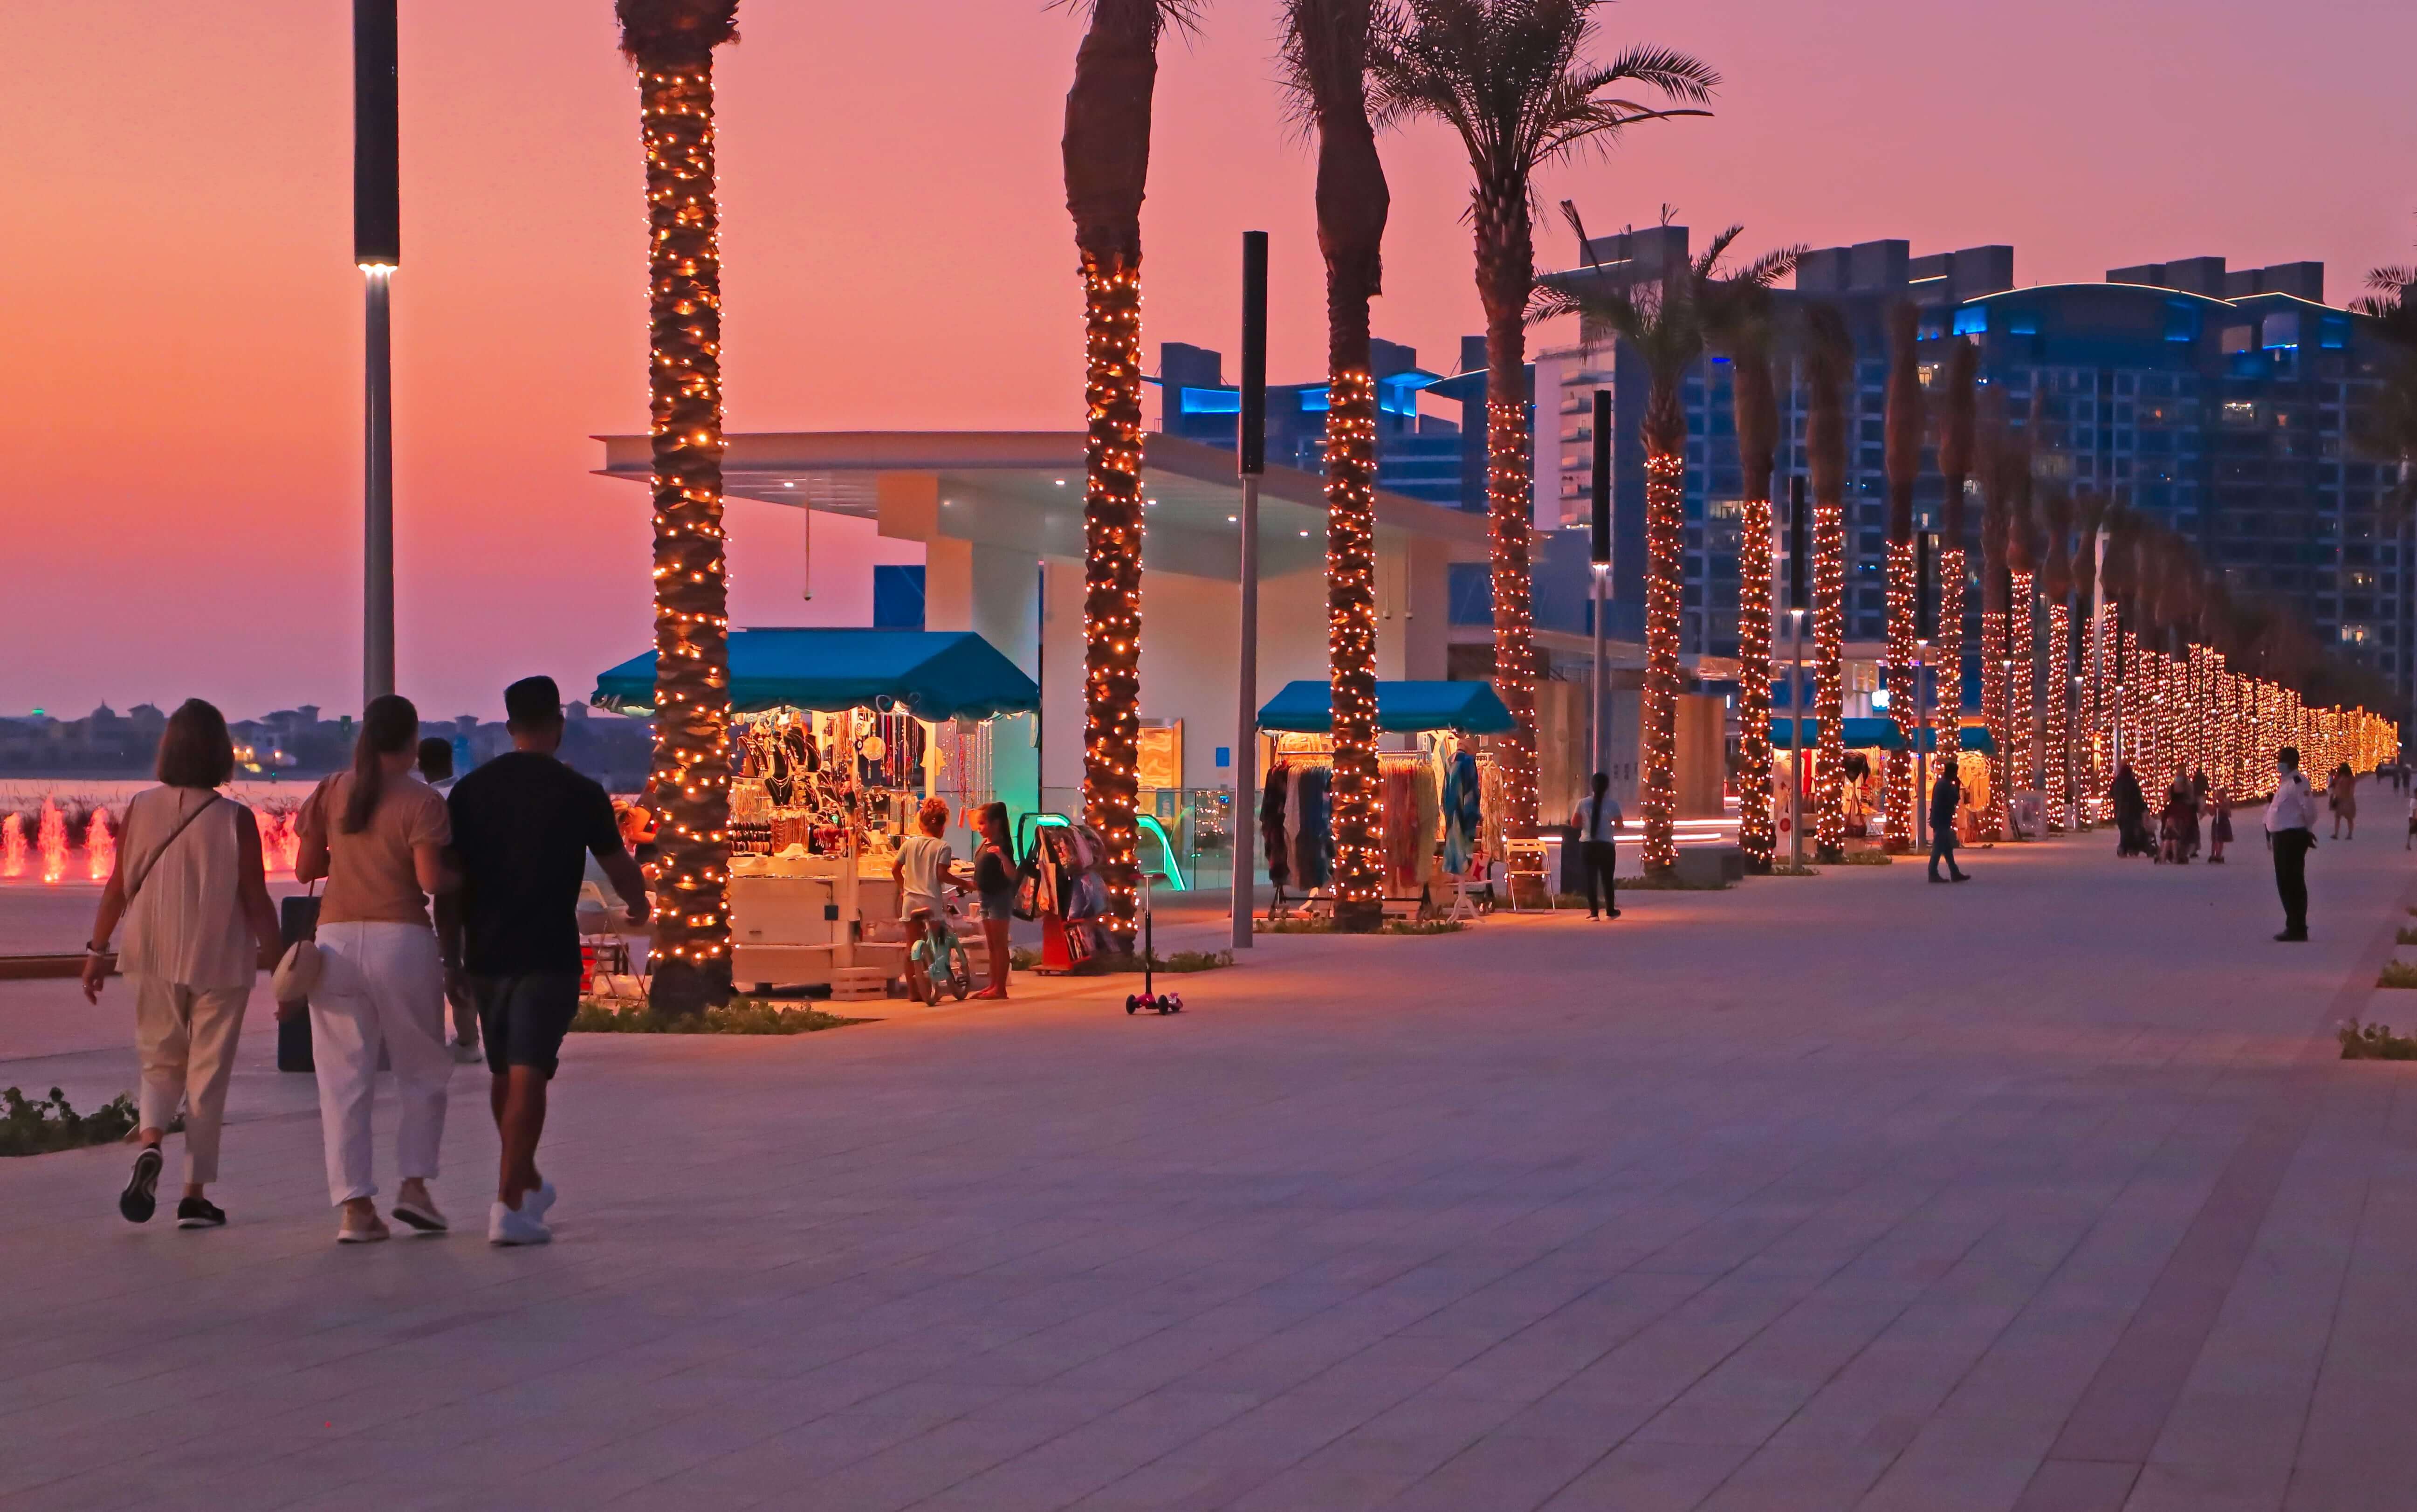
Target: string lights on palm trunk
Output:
[
  {"x": 1511, "y": 508},
  {"x": 1758, "y": 835},
  {"x": 1112, "y": 551},
  {"x": 1903, "y": 702},
  {"x": 1665, "y": 533},
  {"x": 691, "y": 766},
  {"x": 1829, "y": 677},
  {"x": 1359, "y": 816}
]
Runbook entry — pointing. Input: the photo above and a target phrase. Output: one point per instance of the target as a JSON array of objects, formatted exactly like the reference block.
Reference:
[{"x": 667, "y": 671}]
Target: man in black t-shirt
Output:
[{"x": 523, "y": 826}]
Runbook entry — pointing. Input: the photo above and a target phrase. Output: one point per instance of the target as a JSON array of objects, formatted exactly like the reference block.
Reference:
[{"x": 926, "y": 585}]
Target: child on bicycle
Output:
[{"x": 922, "y": 871}]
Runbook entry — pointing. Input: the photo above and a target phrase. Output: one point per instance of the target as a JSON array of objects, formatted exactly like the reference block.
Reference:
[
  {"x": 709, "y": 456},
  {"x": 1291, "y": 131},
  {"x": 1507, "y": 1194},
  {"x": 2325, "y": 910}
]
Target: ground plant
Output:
[
  {"x": 2398, "y": 974},
  {"x": 2376, "y": 1042},
  {"x": 739, "y": 1015},
  {"x": 30, "y": 1128}
]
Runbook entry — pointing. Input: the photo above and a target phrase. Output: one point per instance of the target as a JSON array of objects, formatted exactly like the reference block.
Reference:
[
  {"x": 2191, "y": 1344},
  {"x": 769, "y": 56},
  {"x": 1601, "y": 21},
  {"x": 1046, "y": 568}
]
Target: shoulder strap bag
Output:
[{"x": 298, "y": 969}]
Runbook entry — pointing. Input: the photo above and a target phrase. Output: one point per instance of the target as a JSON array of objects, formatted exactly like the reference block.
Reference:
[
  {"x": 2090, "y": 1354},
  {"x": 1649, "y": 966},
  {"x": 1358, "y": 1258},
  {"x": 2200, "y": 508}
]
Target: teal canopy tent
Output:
[
  {"x": 932, "y": 674},
  {"x": 1307, "y": 707},
  {"x": 1860, "y": 734}
]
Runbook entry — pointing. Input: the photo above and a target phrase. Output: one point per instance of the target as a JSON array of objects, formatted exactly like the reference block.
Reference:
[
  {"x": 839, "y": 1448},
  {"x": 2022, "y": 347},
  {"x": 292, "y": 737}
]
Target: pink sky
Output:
[{"x": 182, "y": 317}]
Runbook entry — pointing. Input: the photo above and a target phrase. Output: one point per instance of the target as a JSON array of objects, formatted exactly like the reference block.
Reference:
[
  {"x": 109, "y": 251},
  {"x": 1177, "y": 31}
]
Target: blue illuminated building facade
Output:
[
  {"x": 2218, "y": 401},
  {"x": 1417, "y": 454}
]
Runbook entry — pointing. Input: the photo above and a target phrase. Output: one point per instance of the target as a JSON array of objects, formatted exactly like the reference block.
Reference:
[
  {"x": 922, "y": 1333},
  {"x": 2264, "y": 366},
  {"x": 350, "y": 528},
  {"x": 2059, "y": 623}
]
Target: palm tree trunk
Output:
[
  {"x": 1506, "y": 273},
  {"x": 1904, "y": 463},
  {"x": 1993, "y": 660},
  {"x": 1829, "y": 676},
  {"x": 1360, "y": 820},
  {"x": 1757, "y": 413},
  {"x": 691, "y": 771},
  {"x": 1112, "y": 544},
  {"x": 1105, "y": 153},
  {"x": 1665, "y": 539},
  {"x": 1352, "y": 207},
  {"x": 1830, "y": 369}
]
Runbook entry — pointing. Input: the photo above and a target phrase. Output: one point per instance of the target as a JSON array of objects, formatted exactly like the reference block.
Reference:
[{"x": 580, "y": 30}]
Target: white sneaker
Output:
[
  {"x": 506, "y": 1226},
  {"x": 539, "y": 1203},
  {"x": 465, "y": 1053}
]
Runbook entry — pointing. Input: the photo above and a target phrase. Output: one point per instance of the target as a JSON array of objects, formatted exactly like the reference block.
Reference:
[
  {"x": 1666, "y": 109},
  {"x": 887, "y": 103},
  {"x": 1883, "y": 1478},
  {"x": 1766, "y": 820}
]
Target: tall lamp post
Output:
[
  {"x": 1599, "y": 557},
  {"x": 1251, "y": 462},
  {"x": 377, "y": 249},
  {"x": 1925, "y": 551},
  {"x": 1800, "y": 542}
]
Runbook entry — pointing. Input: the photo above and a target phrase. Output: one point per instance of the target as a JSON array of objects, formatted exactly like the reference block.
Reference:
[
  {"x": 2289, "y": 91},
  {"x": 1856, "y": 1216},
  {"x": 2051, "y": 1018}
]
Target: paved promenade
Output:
[{"x": 2044, "y": 1193}]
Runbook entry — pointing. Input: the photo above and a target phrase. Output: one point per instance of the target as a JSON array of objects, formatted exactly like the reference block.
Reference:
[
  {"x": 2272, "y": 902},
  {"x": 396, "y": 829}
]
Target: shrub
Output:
[
  {"x": 740, "y": 1015},
  {"x": 2376, "y": 1042},
  {"x": 32, "y": 1128},
  {"x": 2398, "y": 974}
]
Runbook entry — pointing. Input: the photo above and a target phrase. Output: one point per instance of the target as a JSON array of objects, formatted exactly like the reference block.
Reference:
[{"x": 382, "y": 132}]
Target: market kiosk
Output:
[
  {"x": 1440, "y": 791},
  {"x": 837, "y": 737},
  {"x": 1867, "y": 741}
]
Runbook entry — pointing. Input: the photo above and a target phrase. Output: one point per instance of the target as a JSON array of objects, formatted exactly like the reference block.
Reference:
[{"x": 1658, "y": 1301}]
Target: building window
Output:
[
  {"x": 897, "y": 596},
  {"x": 1470, "y": 589}
]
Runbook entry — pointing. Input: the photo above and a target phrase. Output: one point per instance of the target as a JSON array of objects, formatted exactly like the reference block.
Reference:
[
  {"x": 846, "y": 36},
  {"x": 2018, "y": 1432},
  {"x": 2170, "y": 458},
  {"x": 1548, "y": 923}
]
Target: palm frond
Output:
[
  {"x": 1165, "y": 15},
  {"x": 1322, "y": 56},
  {"x": 675, "y": 31},
  {"x": 1673, "y": 72}
]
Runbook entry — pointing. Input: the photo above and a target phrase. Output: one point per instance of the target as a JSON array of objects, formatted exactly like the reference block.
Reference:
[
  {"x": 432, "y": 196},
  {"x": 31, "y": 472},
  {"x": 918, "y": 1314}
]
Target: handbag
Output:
[{"x": 298, "y": 969}]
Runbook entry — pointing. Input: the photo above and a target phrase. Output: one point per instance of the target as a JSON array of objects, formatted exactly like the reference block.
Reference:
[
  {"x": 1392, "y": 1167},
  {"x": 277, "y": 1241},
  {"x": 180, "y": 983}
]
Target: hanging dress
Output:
[{"x": 1272, "y": 841}]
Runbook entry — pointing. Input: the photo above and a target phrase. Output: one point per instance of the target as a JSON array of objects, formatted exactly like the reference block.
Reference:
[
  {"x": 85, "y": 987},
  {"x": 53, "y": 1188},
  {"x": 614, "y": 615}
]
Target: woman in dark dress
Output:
[{"x": 2130, "y": 813}]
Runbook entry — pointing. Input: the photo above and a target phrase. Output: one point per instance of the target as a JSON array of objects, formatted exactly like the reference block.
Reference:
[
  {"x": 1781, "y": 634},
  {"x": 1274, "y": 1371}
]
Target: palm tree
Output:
[
  {"x": 1512, "y": 80},
  {"x": 2091, "y": 775},
  {"x": 1326, "y": 57},
  {"x": 1106, "y": 153},
  {"x": 671, "y": 44},
  {"x": 1664, "y": 321},
  {"x": 1903, "y": 458},
  {"x": 1830, "y": 368},
  {"x": 1741, "y": 327},
  {"x": 1996, "y": 487},
  {"x": 1955, "y": 438},
  {"x": 2056, "y": 588},
  {"x": 2022, "y": 575}
]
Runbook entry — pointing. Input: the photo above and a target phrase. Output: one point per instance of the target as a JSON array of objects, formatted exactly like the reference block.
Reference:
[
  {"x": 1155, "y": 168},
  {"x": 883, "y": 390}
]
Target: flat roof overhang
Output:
[{"x": 1024, "y": 490}]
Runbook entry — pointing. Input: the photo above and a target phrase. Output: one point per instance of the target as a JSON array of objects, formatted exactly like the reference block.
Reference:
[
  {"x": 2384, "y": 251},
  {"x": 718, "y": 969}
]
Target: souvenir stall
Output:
[
  {"x": 1440, "y": 789},
  {"x": 1867, "y": 741},
  {"x": 837, "y": 737}
]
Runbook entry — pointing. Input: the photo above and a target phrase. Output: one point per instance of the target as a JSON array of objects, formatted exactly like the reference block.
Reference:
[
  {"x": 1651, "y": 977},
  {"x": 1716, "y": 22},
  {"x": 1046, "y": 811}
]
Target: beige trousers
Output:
[{"x": 185, "y": 1038}]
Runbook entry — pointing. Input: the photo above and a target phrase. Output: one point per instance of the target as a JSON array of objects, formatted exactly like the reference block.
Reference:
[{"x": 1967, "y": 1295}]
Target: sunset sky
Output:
[{"x": 182, "y": 319}]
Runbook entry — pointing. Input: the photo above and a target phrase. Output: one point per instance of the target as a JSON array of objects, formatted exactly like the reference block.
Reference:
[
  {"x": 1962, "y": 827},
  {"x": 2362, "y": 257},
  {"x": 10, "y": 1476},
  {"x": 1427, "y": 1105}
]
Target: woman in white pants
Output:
[
  {"x": 377, "y": 833},
  {"x": 190, "y": 886}
]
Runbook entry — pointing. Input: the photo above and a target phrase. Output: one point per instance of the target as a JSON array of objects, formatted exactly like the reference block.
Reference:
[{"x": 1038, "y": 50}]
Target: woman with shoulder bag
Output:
[
  {"x": 379, "y": 833},
  {"x": 193, "y": 894}
]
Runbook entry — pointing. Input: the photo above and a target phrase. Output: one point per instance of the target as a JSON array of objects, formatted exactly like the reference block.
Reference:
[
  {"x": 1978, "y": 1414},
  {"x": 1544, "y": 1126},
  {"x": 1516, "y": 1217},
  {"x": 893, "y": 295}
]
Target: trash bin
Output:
[{"x": 295, "y": 918}]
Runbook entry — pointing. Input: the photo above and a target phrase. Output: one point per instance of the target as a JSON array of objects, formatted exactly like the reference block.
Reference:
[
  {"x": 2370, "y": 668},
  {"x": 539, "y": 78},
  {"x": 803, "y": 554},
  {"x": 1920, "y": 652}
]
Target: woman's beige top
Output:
[
  {"x": 370, "y": 878},
  {"x": 186, "y": 922}
]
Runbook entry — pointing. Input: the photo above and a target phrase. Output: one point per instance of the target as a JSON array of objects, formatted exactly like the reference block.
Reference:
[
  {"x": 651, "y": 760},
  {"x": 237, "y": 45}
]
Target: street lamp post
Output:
[
  {"x": 1599, "y": 557},
  {"x": 1800, "y": 532},
  {"x": 2006, "y": 759},
  {"x": 1251, "y": 462},
  {"x": 377, "y": 250}
]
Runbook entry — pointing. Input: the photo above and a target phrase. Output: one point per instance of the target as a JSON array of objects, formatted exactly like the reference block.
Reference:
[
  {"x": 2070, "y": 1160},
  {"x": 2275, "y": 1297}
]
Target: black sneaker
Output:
[
  {"x": 2292, "y": 937},
  {"x": 1611, "y": 913},
  {"x": 140, "y": 1198},
  {"x": 199, "y": 1213}
]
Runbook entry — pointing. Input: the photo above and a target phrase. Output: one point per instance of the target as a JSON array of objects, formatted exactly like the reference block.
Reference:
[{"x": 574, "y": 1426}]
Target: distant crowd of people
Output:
[{"x": 435, "y": 888}]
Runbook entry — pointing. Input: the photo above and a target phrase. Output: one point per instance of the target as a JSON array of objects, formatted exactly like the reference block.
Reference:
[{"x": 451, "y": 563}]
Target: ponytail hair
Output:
[{"x": 390, "y": 725}]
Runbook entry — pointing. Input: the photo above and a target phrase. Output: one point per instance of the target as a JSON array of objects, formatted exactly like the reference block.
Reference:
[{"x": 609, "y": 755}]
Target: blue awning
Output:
[
  {"x": 932, "y": 674},
  {"x": 1307, "y": 707},
  {"x": 1862, "y": 734}
]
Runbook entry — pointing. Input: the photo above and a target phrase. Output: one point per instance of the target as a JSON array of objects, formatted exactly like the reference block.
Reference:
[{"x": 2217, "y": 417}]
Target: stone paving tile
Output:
[{"x": 1745, "y": 1213}]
